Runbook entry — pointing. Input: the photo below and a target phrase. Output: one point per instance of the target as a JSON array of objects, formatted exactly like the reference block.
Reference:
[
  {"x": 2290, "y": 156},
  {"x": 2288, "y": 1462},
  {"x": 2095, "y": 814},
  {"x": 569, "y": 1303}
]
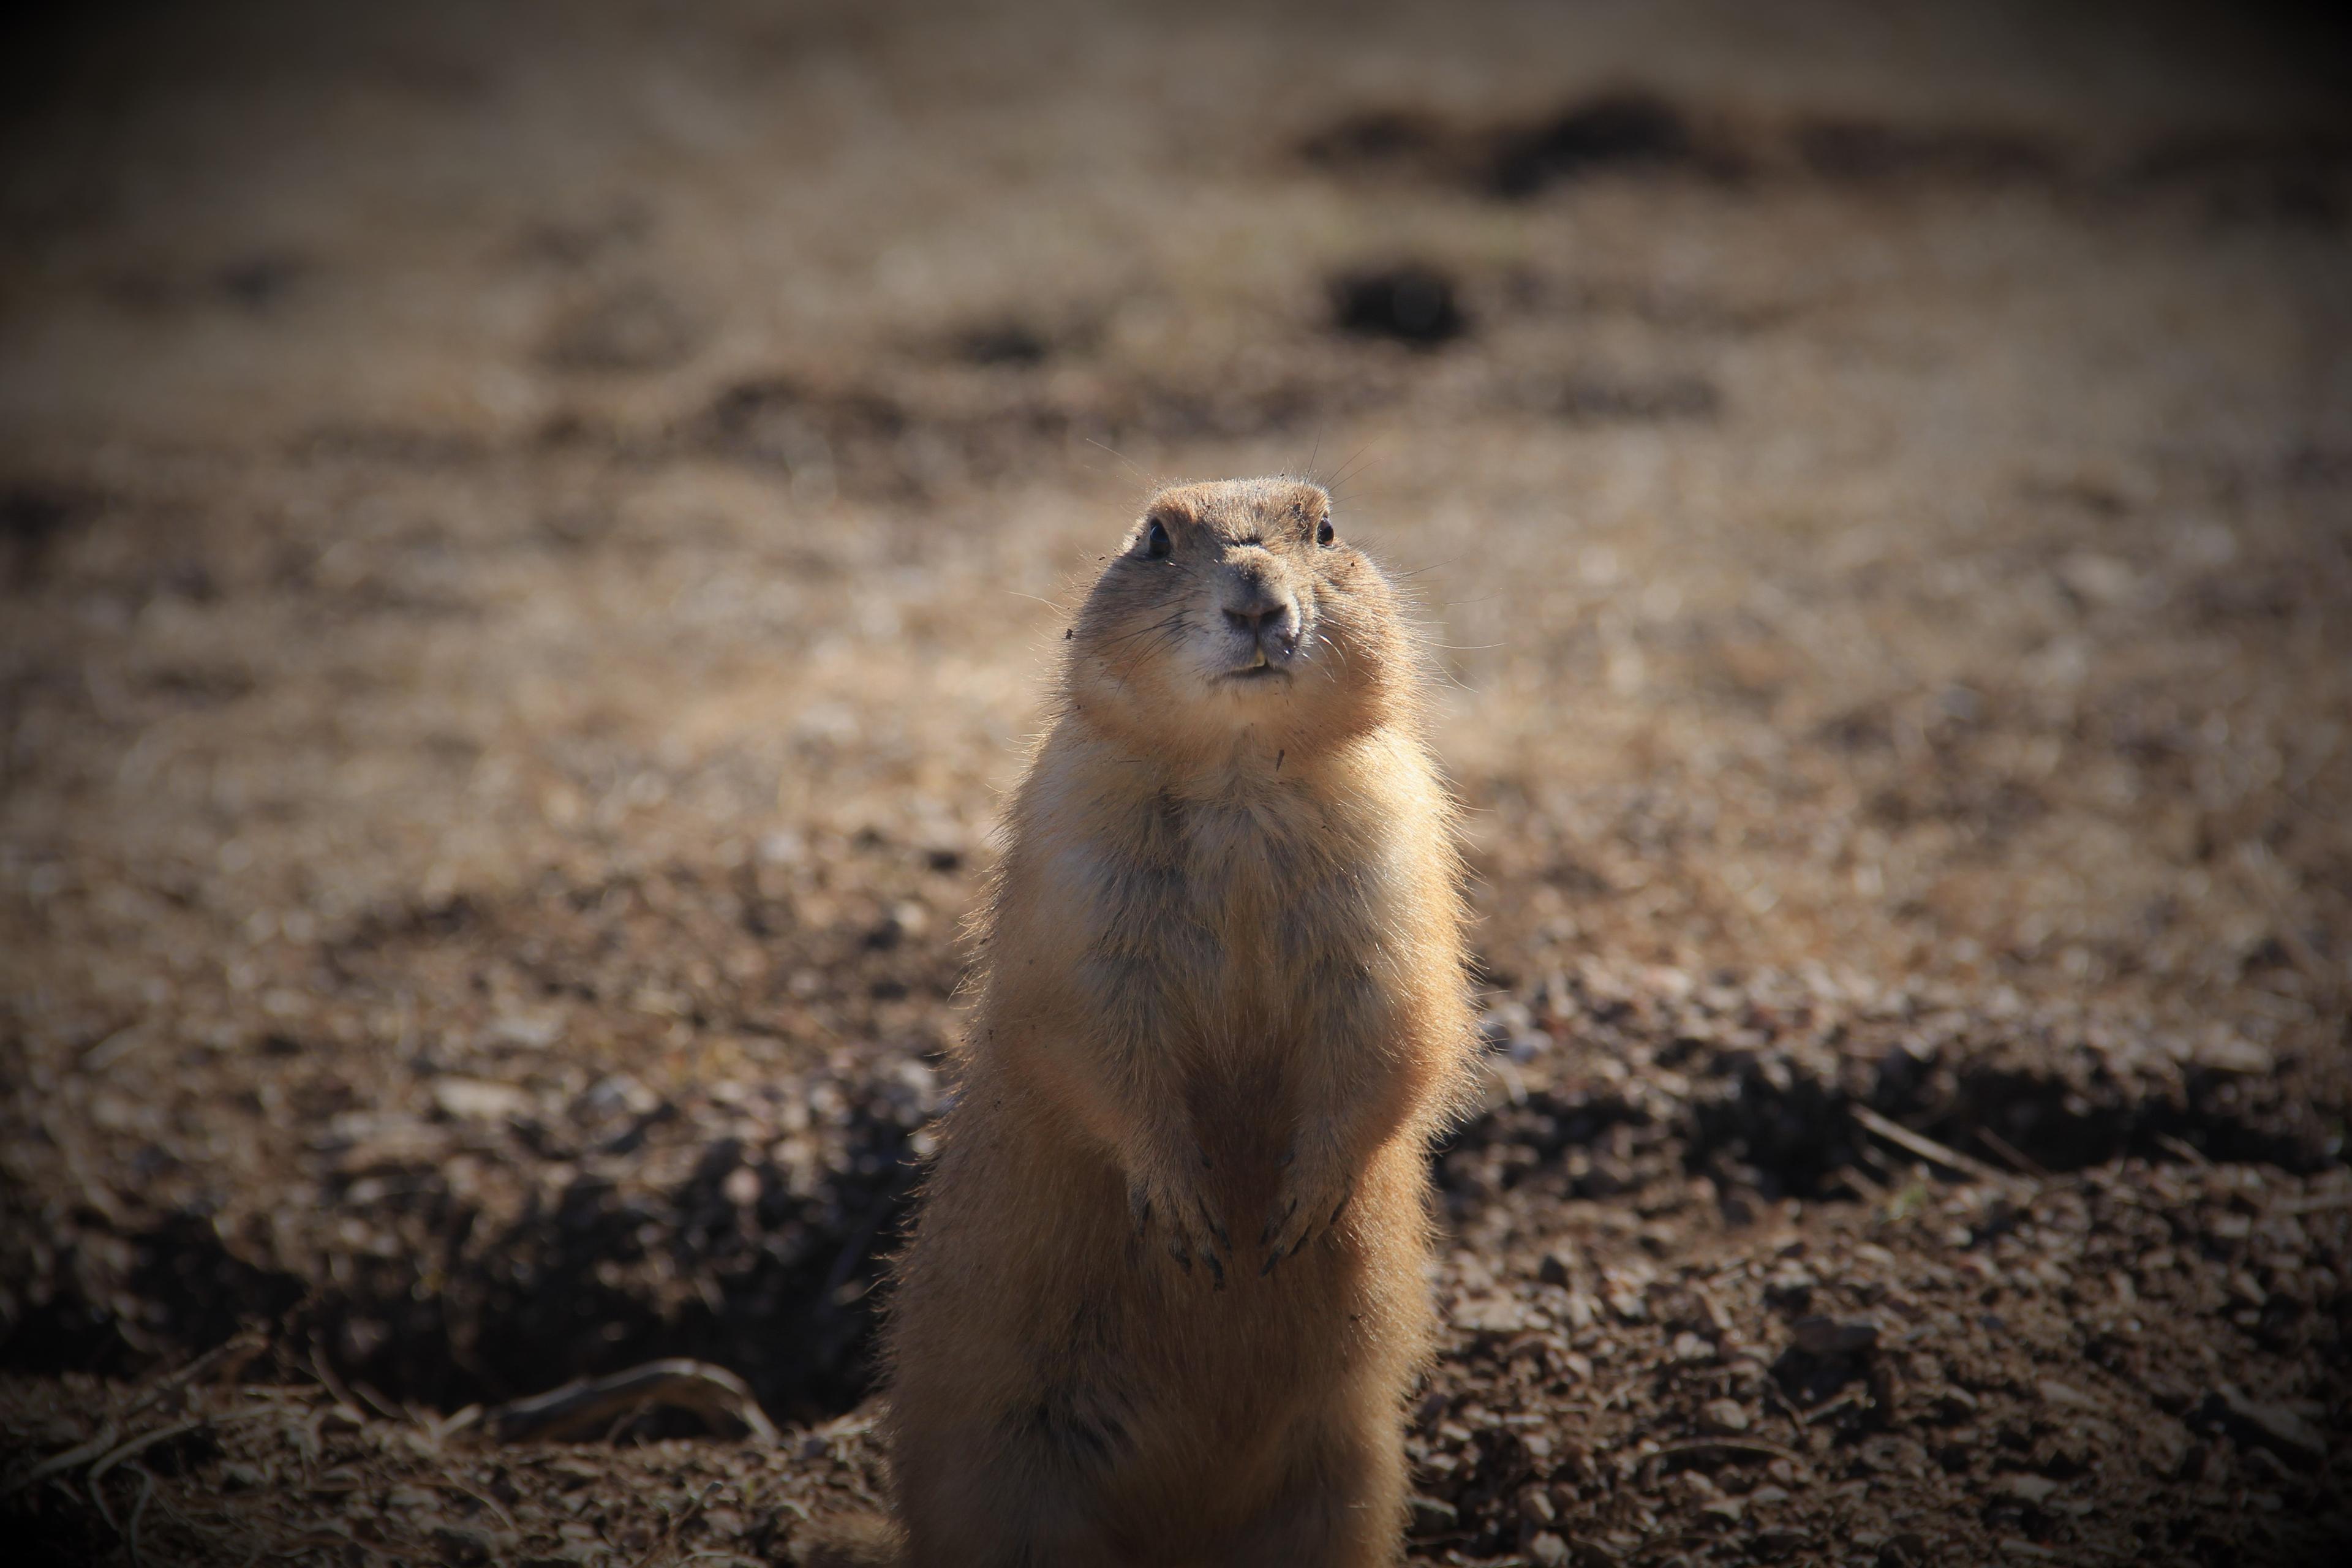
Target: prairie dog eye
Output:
[
  {"x": 1156, "y": 543},
  {"x": 1326, "y": 534}
]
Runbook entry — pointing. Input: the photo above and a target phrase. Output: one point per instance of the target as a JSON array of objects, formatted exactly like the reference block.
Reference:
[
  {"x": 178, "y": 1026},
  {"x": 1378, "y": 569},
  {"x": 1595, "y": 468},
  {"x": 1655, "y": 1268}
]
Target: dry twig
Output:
[
  {"x": 2186, "y": 1150},
  {"x": 2026, "y": 1165},
  {"x": 1927, "y": 1149},
  {"x": 140, "y": 1444},
  {"x": 60, "y": 1463},
  {"x": 588, "y": 1405},
  {"x": 138, "y": 1511}
]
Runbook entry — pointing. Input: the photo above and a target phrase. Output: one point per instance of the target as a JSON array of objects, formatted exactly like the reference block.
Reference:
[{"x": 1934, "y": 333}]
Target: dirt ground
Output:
[{"x": 530, "y": 540}]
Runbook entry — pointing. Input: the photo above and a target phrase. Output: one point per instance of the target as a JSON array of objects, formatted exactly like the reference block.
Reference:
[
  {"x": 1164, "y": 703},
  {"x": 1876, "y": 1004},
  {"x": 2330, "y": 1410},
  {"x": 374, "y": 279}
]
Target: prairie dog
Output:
[{"x": 1166, "y": 1296}]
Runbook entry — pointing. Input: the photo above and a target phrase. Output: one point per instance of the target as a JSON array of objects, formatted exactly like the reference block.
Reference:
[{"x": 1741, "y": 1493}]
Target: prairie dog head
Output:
[{"x": 1235, "y": 611}]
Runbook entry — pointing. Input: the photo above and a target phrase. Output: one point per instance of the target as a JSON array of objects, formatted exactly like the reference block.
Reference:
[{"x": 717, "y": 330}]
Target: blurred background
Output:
[{"x": 531, "y": 541}]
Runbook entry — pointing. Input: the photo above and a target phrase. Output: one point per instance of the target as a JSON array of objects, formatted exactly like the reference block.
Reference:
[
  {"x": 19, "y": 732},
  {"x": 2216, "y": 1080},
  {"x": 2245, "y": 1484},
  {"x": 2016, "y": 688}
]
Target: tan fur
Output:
[{"x": 1166, "y": 1296}]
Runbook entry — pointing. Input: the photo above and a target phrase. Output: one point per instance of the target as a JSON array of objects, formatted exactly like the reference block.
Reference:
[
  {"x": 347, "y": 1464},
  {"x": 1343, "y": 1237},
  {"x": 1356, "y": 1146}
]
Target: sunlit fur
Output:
[{"x": 1224, "y": 1003}]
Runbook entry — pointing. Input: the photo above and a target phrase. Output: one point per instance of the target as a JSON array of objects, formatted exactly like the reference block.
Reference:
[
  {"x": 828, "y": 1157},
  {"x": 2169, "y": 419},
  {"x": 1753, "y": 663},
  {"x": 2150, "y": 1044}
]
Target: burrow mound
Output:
[{"x": 522, "y": 1241}]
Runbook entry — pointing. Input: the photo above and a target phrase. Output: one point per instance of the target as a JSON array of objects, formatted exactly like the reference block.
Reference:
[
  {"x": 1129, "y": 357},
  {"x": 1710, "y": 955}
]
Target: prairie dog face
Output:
[{"x": 1236, "y": 608}]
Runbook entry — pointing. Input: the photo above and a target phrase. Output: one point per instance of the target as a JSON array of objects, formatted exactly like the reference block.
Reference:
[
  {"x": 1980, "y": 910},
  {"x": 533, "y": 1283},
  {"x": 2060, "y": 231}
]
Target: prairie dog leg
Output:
[
  {"x": 1344, "y": 1506},
  {"x": 1025, "y": 1500},
  {"x": 1127, "y": 1084},
  {"x": 1358, "y": 1091}
]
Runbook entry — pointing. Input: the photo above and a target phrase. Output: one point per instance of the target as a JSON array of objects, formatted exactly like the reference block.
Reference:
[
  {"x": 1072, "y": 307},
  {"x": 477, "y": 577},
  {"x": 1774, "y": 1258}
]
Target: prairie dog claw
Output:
[{"x": 1173, "y": 1201}]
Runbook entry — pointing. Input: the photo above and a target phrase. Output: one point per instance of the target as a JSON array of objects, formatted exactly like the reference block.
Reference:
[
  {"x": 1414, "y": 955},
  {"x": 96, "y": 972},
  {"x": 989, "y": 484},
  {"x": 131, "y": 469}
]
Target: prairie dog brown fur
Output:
[{"x": 1166, "y": 1295}]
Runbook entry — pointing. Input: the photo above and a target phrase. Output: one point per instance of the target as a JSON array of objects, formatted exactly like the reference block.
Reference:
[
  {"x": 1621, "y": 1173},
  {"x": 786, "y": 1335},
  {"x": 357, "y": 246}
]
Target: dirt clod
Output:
[
  {"x": 1624, "y": 130},
  {"x": 1412, "y": 303}
]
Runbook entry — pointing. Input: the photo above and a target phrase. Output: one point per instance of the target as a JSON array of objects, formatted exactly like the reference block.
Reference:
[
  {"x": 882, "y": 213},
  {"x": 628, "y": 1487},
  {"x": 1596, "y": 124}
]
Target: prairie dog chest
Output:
[
  {"x": 1241, "y": 909},
  {"x": 1246, "y": 860},
  {"x": 1282, "y": 899}
]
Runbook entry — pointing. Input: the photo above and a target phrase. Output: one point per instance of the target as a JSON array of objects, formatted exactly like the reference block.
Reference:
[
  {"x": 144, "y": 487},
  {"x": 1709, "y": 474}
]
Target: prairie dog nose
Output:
[{"x": 1260, "y": 610}]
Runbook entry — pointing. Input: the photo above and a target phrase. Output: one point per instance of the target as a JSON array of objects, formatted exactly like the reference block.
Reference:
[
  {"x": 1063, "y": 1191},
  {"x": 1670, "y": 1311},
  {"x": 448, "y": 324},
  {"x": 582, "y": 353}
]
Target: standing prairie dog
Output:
[{"x": 1166, "y": 1297}]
